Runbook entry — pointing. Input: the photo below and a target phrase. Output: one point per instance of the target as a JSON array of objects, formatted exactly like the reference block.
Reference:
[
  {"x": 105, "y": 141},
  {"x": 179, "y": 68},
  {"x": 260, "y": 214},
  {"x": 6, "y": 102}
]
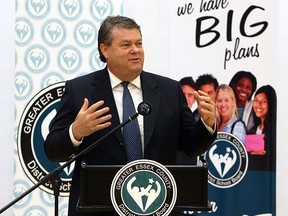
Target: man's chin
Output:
[{"x": 136, "y": 70}]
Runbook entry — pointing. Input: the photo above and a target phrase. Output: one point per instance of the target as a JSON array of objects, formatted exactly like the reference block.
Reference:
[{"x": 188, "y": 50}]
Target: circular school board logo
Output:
[
  {"x": 228, "y": 161},
  {"x": 143, "y": 187},
  {"x": 33, "y": 130}
]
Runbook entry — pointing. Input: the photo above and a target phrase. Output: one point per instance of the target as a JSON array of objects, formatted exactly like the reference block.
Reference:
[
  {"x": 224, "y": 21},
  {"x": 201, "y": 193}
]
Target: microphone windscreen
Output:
[{"x": 144, "y": 108}]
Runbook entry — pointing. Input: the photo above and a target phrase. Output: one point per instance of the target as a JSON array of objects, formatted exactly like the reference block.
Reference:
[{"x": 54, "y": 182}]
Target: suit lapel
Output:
[
  {"x": 101, "y": 90},
  {"x": 152, "y": 95}
]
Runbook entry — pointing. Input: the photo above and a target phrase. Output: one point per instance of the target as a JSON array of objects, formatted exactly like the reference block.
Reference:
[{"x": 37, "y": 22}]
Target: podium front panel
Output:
[{"x": 191, "y": 181}]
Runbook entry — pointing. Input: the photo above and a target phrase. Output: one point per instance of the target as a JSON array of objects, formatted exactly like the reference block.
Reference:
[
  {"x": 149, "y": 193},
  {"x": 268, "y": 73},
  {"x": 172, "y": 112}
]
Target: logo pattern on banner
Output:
[
  {"x": 53, "y": 32},
  {"x": 24, "y": 31},
  {"x": 55, "y": 41},
  {"x": 101, "y": 9},
  {"x": 70, "y": 10},
  {"x": 37, "y": 59},
  {"x": 20, "y": 187},
  {"x": 228, "y": 161},
  {"x": 23, "y": 85},
  {"x": 69, "y": 59},
  {"x": 85, "y": 34},
  {"x": 37, "y": 9}
]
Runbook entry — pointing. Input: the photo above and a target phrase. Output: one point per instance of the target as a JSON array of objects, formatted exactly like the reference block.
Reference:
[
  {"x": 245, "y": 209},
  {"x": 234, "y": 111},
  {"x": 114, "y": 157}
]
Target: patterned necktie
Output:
[{"x": 131, "y": 131}]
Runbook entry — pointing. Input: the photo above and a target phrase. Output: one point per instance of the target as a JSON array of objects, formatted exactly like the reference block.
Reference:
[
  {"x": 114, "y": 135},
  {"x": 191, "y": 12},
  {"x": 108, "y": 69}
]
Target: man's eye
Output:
[{"x": 125, "y": 45}]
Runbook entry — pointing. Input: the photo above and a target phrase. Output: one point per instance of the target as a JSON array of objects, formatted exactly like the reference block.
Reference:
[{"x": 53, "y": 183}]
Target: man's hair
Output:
[
  {"x": 188, "y": 81},
  {"x": 108, "y": 25},
  {"x": 207, "y": 79}
]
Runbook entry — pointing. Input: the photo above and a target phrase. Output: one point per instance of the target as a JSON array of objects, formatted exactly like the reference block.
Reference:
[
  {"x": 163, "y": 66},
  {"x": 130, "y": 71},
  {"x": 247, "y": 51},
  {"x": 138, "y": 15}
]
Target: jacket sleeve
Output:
[{"x": 58, "y": 145}]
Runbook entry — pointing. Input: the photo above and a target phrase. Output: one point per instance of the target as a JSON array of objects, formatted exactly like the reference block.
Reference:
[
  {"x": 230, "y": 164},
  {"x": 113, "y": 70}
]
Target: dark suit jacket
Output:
[{"x": 169, "y": 126}]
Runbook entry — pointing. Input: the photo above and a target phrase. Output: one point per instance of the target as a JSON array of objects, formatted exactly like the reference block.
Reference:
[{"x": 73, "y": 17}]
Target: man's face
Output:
[
  {"x": 188, "y": 92},
  {"x": 125, "y": 55},
  {"x": 209, "y": 89}
]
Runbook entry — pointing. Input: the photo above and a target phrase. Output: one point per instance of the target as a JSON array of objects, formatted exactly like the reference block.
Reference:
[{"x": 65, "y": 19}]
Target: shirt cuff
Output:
[
  {"x": 75, "y": 142},
  {"x": 211, "y": 130}
]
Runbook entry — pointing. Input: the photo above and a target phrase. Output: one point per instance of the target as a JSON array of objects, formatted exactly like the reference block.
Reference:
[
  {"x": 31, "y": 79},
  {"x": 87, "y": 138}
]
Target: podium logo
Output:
[
  {"x": 143, "y": 187},
  {"x": 33, "y": 130},
  {"x": 228, "y": 161}
]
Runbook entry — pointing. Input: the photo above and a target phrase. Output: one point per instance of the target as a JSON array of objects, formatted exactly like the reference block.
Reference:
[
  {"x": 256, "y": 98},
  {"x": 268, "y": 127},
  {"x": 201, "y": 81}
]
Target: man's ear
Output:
[{"x": 103, "y": 49}]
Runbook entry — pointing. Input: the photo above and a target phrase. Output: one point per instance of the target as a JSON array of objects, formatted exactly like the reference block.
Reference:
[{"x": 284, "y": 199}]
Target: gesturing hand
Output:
[
  {"x": 206, "y": 108},
  {"x": 90, "y": 119}
]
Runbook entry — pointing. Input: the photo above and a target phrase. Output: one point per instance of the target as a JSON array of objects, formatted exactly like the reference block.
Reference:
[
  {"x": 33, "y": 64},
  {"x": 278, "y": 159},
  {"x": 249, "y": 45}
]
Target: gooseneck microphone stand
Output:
[{"x": 53, "y": 176}]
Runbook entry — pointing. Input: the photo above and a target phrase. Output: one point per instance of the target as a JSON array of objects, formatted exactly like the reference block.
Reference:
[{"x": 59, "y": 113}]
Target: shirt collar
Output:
[{"x": 115, "y": 81}]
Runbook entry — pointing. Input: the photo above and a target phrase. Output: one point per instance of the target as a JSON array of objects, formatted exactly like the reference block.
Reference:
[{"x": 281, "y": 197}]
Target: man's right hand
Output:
[{"x": 90, "y": 119}]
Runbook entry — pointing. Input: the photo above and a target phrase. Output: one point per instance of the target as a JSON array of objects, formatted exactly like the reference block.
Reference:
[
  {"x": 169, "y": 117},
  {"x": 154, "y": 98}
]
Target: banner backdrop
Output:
[
  {"x": 222, "y": 38},
  {"x": 55, "y": 41}
]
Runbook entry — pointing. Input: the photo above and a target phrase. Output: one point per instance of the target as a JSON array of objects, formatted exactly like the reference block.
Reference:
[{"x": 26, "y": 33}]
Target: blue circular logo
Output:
[
  {"x": 228, "y": 161},
  {"x": 19, "y": 188},
  {"x": 23, "y": 85},
  {"x": 37, "y": 9},
  {"x": 50, "y": 79},
  {"x": 53, "y": 32},
  {"x": 69, "y": 59},
  {"x": 94, "y": 60},
  {"x": 24, "y": 31},
  {"x": 143, "y": 187},
  {"x": 100, "y": 9},
  {"x": 33, "y": 130},
  {"x": 85, "y": 34},
  {"x": 70, "y": 10},
  {"x": 37, "y": 59},
  {"x": 35, "y": 210}
]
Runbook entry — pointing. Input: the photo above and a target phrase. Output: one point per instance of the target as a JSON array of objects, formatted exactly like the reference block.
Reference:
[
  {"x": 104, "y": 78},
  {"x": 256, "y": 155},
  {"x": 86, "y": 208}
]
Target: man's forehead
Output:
[{"x": 125, "y": 34}]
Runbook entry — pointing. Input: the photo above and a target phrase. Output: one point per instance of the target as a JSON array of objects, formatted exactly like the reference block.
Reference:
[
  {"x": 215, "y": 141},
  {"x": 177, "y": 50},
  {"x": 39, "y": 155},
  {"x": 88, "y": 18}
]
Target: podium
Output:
[{"x": 191, "y": 181}]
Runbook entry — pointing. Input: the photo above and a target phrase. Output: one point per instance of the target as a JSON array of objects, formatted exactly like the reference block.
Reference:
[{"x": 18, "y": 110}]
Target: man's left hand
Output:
[{"x": 206, "y": 108}]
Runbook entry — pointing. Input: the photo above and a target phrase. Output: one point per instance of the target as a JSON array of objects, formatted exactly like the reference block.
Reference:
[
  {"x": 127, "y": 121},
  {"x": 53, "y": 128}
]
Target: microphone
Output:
[{"x": 144, "y": 108}]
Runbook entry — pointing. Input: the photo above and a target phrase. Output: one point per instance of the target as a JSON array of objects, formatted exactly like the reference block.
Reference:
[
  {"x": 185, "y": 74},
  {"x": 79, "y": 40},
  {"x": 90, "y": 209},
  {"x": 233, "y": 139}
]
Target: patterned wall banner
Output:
[{"x": 55, "y": 41}]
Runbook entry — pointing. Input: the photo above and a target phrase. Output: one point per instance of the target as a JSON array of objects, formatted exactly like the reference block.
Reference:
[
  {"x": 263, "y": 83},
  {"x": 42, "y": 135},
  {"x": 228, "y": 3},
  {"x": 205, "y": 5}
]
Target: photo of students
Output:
[
  {"x": 188, "y": 87},
  {"x": 263, "y": 156},
  {"x": 226, "y": 113},
  {"x": 244, "y": 84}
]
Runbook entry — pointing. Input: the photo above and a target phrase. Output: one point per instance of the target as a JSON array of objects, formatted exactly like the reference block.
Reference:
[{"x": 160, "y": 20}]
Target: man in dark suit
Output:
[{"x": 92, "y": 105}]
